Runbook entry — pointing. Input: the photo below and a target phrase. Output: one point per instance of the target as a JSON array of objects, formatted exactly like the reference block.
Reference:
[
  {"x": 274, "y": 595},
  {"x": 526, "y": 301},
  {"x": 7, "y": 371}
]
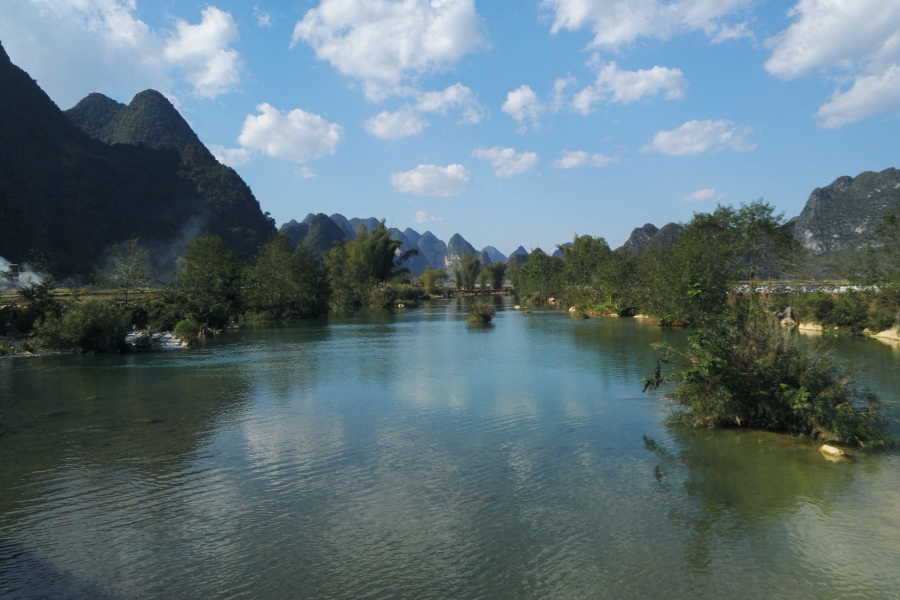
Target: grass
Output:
[{"x": 481, "y": 313}]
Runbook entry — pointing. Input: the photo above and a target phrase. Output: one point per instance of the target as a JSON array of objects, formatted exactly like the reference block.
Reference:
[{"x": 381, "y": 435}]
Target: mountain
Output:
[
  {"x": 496, "y": 255},
  {"x": 148, "y": 119},
  {"x": 434, "y": 250},
  {"x": 516, "y": 259},
  {"x": 323, "y": 233},
  {"x": 416, "y": 264},
  {"x": 456, "y": 248},
  {"x": 843, "y": 214},
  {"x": 520, "y": 250},
  {"x": 70, "y": 196},
  {"x": 666, "y": 236},
  {"x": 640, "y": 238},
  {"x": 370, "y": 223},
  {"x": 295, "y": 231},
  {"x": 412, "y": 235},
  {"x": 345, "y": 225}
]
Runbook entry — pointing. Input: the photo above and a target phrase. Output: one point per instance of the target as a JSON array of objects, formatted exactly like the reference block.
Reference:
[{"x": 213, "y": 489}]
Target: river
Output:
[{"x": 413, "y": 455}]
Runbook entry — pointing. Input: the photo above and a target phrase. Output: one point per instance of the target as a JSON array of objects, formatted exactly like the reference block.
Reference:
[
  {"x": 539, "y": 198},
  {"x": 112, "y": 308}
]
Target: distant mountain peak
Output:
[
  {"x": 640, "y": 238},
  {"x": 148, "y": 119}
]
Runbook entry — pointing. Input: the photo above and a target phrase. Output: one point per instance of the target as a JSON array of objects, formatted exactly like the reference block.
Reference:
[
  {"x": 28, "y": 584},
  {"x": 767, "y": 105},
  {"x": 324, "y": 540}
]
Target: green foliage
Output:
[
  {"x": 815, "y": 307},
  {"x": 207, "y": 287},
  {"x": 387, "y": 294},
  {"x": 92, "y": 326},
  {"x": 481, "y": 313},
  {"x": 497, "y": 271},
  {"x": 541, "y": 276},
  {"x": 880, "y": 264},
  {"x": 359, "y": 265},
  {"x": 286, "y": 282},
  {"x": 431, "y": 278},
  {"x": 745, "y": 370},
  {"x": 187, "y": 330},
  {"x": 469, "y": 268},
  {"x": 128, "y": 270}
]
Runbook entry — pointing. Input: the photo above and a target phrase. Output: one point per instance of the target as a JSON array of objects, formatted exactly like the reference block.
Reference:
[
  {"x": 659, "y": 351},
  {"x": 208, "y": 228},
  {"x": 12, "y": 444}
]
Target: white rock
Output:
[{"x": 831, "y": 450}]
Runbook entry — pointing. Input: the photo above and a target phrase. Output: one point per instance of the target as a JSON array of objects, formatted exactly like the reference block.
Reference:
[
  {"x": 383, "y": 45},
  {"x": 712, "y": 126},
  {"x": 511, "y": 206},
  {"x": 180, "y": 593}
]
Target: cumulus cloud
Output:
[
  {"x": 870, "y": 95},
  {"x": 524, "y": 105},
  {"x": 432, "y": 180},
  {"x": 619, "y": 22},
  {"x": 424, "y": 217},
  {"x": 202, "y": 51},
  {"x": 297, "y": 136},
  {"x": 859, "y": 38},
  {"x": 506, "y": 161},
  {"x": 408, "y": 121},
  {"x": 387, "y": 43},
  {"x": 305, "y": 173},
  {"x": 86, "y": 45},
  {"x": 700, "y": 195},
  {"x": 396, "y": 125},
  {"x": 615, "y": 84},
  {"x": 697, "y": 137},
  {"x": 580, "y": 158},
  {"x": 456, "y": 96}
]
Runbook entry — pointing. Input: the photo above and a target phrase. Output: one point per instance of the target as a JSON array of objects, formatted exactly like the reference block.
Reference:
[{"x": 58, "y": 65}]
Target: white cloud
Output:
[
  {"x": 305, "y": 173},
  {"x": 870, "y": 95},
  {"x": 859, "y": 38},
  {"x": 297, "y": 136},
  {"x": 455, "y": 96},
  {"x": 506, "y": 161},
  {"x": 726, "y": 32},
  {"x": 697, "y": 137},
  {"x": 263, "y": 19},
  {"x": 424, "y": 217},
  {"x": 615, "y": 84},
  {"x": 202, "y": 51},
  {"x": 700, "y": 195},
  {"x": 232, "y": 157},
  {"x": 619, "y": 22},
  {"x": 559, "y": 91},
  {"x": 396, "y": 125},
  {"x": 407, "y": 120},
  {"x": 580, "y": 158},
  {"x": 74, "y": 47},
  {"x": 387, "y": 43},
  {"x": 524, "y": 105},
  {"x": 432, "y": 180}
]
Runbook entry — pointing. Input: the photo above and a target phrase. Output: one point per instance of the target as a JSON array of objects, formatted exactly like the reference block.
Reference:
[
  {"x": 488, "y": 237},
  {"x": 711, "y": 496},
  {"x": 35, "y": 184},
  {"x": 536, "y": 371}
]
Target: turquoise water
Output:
[{"x": 413, "y": 455}]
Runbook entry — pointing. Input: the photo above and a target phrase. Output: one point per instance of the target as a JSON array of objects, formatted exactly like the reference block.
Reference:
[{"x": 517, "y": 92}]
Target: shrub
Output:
[
  {"x": 92, "y": 326},
  {"x": 815, "y": 307},
  {"x": 187, "y": 330},
  {"x": 851, "y": 310},
  {"x": 481, "y": 313},
  {"x": 746, "y": 371}
]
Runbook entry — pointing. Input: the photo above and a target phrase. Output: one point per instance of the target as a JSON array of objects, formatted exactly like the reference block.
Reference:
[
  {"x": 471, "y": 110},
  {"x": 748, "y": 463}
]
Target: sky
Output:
[{"x": 511, "y": 123}]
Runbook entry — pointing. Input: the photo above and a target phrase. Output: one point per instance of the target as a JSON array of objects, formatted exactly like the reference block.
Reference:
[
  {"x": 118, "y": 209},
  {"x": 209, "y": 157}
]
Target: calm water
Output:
[{"x": 416, "y": 456}]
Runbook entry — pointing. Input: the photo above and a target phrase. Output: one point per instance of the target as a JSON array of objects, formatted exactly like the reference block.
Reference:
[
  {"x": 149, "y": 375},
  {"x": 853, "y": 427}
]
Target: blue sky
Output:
[{"x": 508, "y": 122}]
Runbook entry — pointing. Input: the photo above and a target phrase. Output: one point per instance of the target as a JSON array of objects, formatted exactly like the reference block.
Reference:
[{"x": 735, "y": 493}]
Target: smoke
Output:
[
  {"x": 27, "y": 276},
  {"x": 164, "y": 255}
]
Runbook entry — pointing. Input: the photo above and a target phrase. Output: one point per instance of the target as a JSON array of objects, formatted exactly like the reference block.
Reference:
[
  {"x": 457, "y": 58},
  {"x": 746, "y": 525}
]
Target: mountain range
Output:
[{"x": 74, "y": 182}]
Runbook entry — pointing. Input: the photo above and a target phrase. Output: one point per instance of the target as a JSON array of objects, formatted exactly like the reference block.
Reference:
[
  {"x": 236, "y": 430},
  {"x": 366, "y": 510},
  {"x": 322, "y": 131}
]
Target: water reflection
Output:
[{"x": 400, "y": 453}]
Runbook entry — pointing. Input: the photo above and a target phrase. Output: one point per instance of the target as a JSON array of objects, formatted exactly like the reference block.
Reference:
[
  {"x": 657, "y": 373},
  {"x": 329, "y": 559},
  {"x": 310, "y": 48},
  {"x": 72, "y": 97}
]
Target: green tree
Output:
[
  {"x": 128, "y": 269},
  {"x": 359, "y": 265},
  {"x": 207, "y": 286},
  {"x": 286, "y": 282},
  {"x": 540, "y": 276},
  {"x": 497, "y": 272},
  {"x": 469, "y": 268},
  {"x": 483, "y": 278},
  {"x": 881, "y": 259},
  {"x": 431, "y": 278}
]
